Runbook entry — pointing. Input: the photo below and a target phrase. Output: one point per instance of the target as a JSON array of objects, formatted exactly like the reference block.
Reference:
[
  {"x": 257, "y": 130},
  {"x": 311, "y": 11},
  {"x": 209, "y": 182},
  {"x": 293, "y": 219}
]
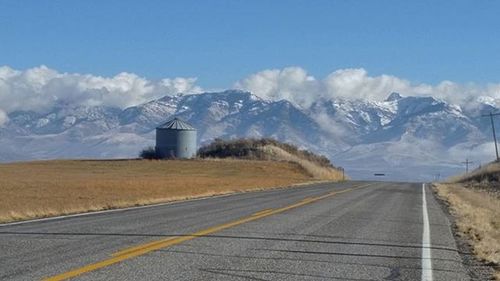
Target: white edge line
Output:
[
  {"x": 426, "y": 241},
  {"x": 150, "y": 206}
]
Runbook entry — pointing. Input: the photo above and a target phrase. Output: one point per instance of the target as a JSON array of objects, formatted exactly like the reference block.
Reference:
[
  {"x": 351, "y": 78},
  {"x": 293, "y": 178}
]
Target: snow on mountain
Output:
[{"x": 404, "y": 137}]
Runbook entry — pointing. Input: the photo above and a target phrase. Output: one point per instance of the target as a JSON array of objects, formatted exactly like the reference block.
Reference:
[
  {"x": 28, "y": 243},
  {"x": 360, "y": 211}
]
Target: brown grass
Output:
[
  {"x": 478, "y": 219},
  {"x": 49, "y": 188}
]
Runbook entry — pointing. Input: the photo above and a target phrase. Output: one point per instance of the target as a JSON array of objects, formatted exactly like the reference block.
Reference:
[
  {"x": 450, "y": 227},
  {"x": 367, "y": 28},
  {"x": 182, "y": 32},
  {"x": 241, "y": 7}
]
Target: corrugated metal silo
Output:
[{"x": 176, "y": 139}]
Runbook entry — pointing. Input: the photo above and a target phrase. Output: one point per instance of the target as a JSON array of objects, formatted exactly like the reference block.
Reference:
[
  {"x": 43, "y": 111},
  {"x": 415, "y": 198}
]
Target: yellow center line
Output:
[
  {"x": 142, "y": 249},
  {"x": 141, "y": 246},
  {"x": 262, "y": 212},
  {"x": 308, "y": 199}
]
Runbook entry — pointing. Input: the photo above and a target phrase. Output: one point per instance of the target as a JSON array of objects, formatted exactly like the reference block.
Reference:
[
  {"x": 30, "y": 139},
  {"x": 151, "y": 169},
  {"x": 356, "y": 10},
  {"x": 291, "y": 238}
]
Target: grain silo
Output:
[{"x": 175, "y": 139}]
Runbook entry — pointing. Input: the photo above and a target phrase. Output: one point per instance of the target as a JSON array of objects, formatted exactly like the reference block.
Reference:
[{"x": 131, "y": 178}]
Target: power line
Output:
[
  {"x": 437, "y": 177},
  {"x": 467, "y": 162},
  {"x": 493, "y": 129},
  {"x": 343, "y": 173}
]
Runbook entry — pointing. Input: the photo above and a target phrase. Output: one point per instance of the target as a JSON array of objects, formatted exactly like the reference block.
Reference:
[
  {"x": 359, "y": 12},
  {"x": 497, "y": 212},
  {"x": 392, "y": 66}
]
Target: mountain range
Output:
[{"x": 406, "y": 138}]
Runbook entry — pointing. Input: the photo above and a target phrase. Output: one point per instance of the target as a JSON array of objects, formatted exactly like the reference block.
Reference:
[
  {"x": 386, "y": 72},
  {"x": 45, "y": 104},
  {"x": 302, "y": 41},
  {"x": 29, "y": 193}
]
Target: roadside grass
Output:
[
  {"x": 478, "y": 219},
  {"x": 49, "y": 188}
]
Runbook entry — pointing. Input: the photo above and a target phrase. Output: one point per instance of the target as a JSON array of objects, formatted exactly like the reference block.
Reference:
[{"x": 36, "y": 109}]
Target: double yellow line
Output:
[{"x": 163, "y": 243}]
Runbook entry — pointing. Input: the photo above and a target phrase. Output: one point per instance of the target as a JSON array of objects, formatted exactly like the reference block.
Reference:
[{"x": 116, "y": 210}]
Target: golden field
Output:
[{"x": 49, "y": 188}]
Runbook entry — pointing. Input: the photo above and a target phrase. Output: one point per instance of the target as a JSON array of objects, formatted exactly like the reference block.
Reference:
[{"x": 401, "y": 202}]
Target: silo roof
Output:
[{"x": 176, "y": 124}]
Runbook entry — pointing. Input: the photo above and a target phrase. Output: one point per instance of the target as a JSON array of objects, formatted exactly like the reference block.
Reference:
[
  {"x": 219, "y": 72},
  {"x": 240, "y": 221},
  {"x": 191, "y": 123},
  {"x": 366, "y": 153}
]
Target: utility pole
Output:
[
  {"x": 493, "y": 129},
  {"x": 467, "y": 162}
]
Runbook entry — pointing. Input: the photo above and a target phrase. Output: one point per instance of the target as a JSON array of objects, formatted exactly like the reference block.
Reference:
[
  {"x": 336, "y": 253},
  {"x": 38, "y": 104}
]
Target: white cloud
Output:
[
  {"x": 296, "y": 85},
  {"x": 355, "y": 83},
  {"x": 291, "y": 83},
  {"x": 40, "y": 88}
]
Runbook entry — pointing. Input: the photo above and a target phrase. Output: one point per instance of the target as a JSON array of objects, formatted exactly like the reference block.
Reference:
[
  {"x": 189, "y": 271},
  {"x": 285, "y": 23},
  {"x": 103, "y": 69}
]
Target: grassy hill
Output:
[{"x": 317, "y": 166}]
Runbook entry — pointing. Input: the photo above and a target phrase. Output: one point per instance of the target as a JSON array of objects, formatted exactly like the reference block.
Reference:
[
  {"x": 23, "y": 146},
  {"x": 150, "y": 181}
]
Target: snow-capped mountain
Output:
[{"x": 404, "y": 137}]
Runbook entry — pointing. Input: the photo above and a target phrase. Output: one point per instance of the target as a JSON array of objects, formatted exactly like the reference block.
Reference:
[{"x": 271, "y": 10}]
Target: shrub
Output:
[
  {"x": 252, "y": 149},
  {"x": 148, "y": 153}
]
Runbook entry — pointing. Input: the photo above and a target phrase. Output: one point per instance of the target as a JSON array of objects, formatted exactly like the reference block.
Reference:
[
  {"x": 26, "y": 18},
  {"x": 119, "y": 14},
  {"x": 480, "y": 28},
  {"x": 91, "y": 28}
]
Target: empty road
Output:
[{"x": 342, "y": 231}]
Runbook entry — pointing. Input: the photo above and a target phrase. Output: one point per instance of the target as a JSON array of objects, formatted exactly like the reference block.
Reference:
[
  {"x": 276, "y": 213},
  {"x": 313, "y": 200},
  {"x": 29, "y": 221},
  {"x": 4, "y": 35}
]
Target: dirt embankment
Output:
[{"x": 50, "y": 188}]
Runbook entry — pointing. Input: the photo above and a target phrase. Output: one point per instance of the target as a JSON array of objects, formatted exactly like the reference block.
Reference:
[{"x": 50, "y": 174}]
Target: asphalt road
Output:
[{"x": 346, "y": 231}]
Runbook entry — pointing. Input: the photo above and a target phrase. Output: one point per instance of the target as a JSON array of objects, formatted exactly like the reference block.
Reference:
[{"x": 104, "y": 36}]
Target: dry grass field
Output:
[
  {"x": 477, "y": 215},
  {"x": 49, "y": 188}
]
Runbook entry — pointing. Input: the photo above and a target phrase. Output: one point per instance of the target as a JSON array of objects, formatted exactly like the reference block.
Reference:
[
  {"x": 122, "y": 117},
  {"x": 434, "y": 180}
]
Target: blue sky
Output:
[{"x": 221, "y": 42}]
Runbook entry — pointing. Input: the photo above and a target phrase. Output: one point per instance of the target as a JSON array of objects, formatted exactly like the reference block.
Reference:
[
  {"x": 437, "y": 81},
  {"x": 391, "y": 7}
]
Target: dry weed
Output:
[{"x": 478, "y": 218}]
